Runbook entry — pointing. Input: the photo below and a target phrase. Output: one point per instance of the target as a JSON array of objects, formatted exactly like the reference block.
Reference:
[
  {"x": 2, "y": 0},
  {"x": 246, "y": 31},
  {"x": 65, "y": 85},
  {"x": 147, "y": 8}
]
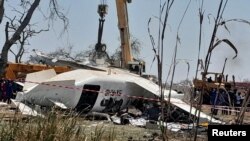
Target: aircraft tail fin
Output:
[{"x": 33, "y": 79}]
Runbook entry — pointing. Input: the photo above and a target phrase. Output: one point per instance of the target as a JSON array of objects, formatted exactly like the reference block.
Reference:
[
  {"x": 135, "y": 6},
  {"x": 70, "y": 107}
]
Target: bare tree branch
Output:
[
  {"x": 16, "y": 36},
  {"x": 25, "y": 34},
  {"x": 54, "y": 10},
  {"x": 12, "y": 25},
  {"x": 6, "y": 31},
  {"x": 1, "y": 10},
  {"x": 12, "y": 52}
]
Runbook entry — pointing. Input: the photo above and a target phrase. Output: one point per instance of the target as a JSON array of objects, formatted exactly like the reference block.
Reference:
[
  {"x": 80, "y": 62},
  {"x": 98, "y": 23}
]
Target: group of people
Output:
[
  {"x": 7, "y": 90},
  {"x": 225, "y": 99}
]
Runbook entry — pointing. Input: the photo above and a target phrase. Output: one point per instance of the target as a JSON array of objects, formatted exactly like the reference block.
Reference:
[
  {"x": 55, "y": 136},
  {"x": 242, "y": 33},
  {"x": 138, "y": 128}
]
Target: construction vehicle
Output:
[
  {"x": 18, "y": 70},
  {"x": 212, "y": 80},
  {"x": 127, "y": 60},
  {"x": 218, "y": 80}
]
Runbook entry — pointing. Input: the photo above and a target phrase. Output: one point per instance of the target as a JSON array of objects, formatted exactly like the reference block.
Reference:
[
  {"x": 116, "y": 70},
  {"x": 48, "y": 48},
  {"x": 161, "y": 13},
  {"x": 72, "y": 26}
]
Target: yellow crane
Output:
[
  {"x": 19, "y": 70},
  {"x": 123, "y": 26},
  {"x": 127, "y": 60}
]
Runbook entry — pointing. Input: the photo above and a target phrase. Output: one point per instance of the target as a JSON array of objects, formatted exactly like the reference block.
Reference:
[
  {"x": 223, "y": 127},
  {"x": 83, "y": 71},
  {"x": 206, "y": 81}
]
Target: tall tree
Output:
[
  {"x": 9, "y": 41},
  {"x": 1, "y": 10},
  {"x": 12, "y": 39},
  {"x": 27, "y": 33}
]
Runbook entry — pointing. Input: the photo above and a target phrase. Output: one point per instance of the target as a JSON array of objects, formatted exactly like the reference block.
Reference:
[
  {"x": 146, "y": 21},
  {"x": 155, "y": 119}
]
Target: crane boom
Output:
[{"x": 123, "y": 26}]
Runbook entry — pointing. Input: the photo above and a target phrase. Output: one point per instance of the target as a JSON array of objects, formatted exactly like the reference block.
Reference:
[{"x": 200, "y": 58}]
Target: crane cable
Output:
[{"x": 103, "y": 2}]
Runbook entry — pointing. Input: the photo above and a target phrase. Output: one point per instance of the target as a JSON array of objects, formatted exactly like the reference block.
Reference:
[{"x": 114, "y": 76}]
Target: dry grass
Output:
[
  {"x": 58, "y": 127},
  {"x": 55, "y": 127}
]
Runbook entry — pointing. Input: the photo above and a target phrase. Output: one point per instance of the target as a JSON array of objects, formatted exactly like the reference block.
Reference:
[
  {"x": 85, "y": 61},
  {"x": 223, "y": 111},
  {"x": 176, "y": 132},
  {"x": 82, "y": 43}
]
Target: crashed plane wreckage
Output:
[
  {"x": 93, "y": 91},
  {"x": 51, "y": 61}
]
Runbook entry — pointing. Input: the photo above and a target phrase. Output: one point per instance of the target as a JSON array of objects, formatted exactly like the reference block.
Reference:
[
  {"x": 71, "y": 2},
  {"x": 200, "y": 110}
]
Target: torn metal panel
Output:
[
  {"x": 59, "y": 104},
  {"x": 2, "y": 104},
  {"x": 37, "y": 77},
  {"x": 24, "y": 109}
]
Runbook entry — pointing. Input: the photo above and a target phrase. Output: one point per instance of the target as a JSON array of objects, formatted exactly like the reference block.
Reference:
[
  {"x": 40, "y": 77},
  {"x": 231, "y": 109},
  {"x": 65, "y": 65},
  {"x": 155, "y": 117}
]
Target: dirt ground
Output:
[
  {"x": 133, "y": 133},
  {"x": 230, "y": 118}
]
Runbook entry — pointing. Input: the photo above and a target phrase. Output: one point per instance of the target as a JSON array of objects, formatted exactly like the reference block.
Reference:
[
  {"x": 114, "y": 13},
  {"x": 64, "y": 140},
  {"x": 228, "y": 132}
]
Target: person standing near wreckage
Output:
[
  {"x": 3, "y": 89},
  {"x": 9, "y": 91},
  {"x": 153, "y": 112},
  {"x": 225, "y": 102},
  {"x": 1, "y": 92},
  {"x": 238, "y": 103},
  {"x": 214, "y": 100}
]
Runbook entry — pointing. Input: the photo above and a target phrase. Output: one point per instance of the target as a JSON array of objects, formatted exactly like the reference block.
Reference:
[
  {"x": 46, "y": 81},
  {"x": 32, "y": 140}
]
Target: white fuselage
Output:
[
  {"x": 101, "y": 91},
  {"x": 91, "y": 90}
]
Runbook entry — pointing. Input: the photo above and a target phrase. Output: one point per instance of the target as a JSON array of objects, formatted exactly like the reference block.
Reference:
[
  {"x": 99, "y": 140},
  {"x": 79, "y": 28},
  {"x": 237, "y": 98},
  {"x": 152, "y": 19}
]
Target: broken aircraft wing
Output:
[
  {"x": 60, "y": 62},
  {"x": 74, "y": 65},
  {"x": 151, "y": 90}
]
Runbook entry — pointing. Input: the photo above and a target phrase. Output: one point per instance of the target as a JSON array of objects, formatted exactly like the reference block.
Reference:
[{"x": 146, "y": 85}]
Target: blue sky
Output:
[{"x": 83, "y": 26}]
